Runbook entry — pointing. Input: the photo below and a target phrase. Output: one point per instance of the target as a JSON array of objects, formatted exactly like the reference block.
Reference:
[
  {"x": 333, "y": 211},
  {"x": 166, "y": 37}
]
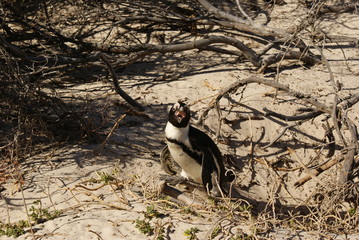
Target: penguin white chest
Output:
[{"x": 190, "y": 168}]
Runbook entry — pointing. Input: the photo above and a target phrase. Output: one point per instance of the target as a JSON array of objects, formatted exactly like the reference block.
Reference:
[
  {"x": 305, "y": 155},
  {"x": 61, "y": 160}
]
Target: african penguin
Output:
[{"x": 194, "y": 151}]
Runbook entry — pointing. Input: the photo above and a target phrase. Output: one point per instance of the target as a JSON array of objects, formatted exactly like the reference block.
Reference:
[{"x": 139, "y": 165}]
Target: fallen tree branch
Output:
[
  {"x": 303, "y": 166},
  {"x": 204, "y": 44},
  {"x": 321, "y": 108},
  {"x": 319, "y": 170},
  {"x": 347, "y": 167},
  {"x": 233, "y": 88},
  {"x": 99, "y": 149},
  {"x": 241, "y": 24},
  {"x": 305, "y": 97},
  {"x": 292, "y": 118},
  {"x": 122, "y": 93},
  {"x": 346, "y": 7},
  {"x": 166, "y": 48}
]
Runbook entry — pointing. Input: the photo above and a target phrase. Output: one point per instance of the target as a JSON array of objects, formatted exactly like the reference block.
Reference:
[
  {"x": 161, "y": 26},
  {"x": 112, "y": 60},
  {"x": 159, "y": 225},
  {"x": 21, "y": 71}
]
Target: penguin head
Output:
[{"x": 179, "y": 115}]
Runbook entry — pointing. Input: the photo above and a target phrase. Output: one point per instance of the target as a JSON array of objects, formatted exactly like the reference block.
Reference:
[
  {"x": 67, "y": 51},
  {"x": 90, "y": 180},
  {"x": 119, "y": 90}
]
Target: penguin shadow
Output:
[
  {"x": 229, "y": 193},
  {"x": 229, "y": 190}
]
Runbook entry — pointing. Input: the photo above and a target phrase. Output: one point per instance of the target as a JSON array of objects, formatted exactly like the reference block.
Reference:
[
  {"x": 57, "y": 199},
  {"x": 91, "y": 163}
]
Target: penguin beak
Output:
[{"x": 180, "y": 114}]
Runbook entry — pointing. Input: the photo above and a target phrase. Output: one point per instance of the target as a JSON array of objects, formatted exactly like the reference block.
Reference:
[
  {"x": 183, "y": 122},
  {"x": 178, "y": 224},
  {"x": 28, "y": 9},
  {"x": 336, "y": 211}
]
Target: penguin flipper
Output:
[{"x": 167, "y": 162}]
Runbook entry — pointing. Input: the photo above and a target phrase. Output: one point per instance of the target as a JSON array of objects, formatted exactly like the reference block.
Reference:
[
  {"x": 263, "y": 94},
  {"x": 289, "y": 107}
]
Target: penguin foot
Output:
[{"x": 174, "y": 180}]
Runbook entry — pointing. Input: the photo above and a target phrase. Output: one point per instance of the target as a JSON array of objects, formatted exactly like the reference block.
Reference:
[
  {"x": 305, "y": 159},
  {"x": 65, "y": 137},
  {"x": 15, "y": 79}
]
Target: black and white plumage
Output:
[{"x": 194, "y": 151}]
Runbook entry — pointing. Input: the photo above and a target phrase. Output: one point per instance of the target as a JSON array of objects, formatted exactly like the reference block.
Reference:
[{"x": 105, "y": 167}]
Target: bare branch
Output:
[
  {"x": 347, "y": 167},
  {"x": 318, "y": 171},
  {"x": 292, "y": 118},
  {"x": 122, "y": 93},
  {"x": 197, "y": 44}
]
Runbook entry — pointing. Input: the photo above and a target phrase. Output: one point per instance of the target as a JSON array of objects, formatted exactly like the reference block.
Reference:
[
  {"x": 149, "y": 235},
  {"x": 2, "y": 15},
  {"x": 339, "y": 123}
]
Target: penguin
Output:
[{"x": 195, "y": 152}]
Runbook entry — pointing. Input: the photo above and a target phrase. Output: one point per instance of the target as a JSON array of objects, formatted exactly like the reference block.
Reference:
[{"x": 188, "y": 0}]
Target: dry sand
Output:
[{"x": 67, "y": 178}]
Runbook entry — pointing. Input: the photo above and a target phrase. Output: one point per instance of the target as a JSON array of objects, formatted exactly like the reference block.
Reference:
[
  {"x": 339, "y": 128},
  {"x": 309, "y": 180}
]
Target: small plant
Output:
[
  {"x": 144, "y": 227},
  {"x": 352, "y": 211},
  {"x": 215, "y": 232},
  {"x": 167, "y": 199},
  {"x": 105, "y": 177},
  {"x": 160, "y": 234},
  {"x": 151, "y": 212},
  {"x": 14, "y": 230},
  {"x": 189, "y": 210},
  {"x": 191, "y": 233},
  {"x": 41, "y": 215},
  {"x": 245, "y": 208}
]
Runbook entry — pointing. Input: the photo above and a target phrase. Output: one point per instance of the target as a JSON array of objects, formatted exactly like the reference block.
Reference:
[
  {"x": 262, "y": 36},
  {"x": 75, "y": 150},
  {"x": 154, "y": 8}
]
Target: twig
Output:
[
  {"x": 347, "y": 167},
  {"x": 243, "y": 117},
  {"x": 335, "y": 85},
  {"x": 96, "y": 199},
  {"x": 251, "y": 139},
  {"x": 308, "y": 171},
  {"x": 7, "y": 208},
  {"x": 243, "y": 12},
  {"x": 99, "y": 149},
  {"x": 331, "y": 139},
  {"x": 292, "y": 118},
  {"x": 280, "y": 134},
  {"x": 26, "y": 210},
  {"x": 335, "y": 120},
  {"x": 336, "y": 88},
  {"x": 122, "y": 93},
  {"x": 349, "y": 102},
  {"x": 319, "y": 170},
  {"x": 98, "y": 235}
]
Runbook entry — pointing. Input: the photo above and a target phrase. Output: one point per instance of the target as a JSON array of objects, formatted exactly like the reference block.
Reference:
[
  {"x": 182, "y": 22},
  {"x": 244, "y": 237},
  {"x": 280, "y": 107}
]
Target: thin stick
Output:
[
  {"x": 318, "y": 171},
  {"x": 98, "y": 235},
  {"x": 122, "y": 93},
  {"x": 280, "y": 134},
  {"x": 7, "y": 208},
  {"x": 243, "y": 12},
  {"x": 306, "y": 169},
  {"x": 347, "y": 167},
  {"x": 26, "y": 210},
  {"x": 98, "y": 150},
  {"x": 251, "y": 138},
  {"x": 335, "y": 120}
]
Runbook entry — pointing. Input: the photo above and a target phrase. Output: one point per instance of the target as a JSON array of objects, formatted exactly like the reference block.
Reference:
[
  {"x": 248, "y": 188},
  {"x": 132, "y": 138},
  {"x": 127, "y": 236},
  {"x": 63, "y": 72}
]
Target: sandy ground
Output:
[{"x": 68, "y": 178}]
